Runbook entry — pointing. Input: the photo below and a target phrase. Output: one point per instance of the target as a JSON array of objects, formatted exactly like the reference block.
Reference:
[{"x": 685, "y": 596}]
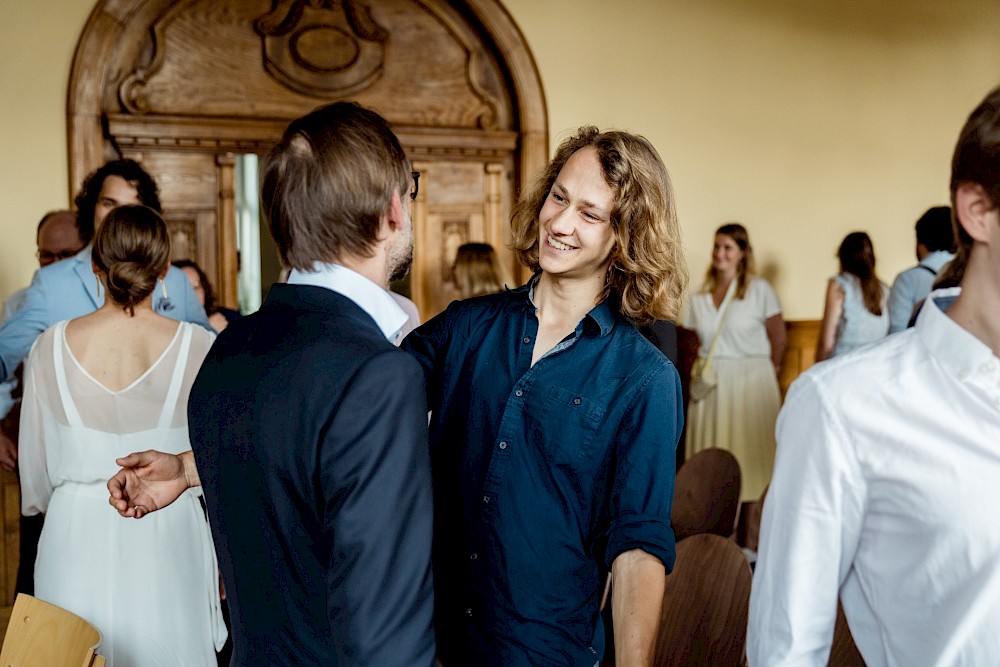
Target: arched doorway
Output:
[{"x": 187, "y": 86}]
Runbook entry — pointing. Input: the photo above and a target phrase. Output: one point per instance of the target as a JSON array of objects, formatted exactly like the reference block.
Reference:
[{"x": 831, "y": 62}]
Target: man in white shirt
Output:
[
  {"x": 887, "y": 479},
  {"x": 935, "y": 242}
]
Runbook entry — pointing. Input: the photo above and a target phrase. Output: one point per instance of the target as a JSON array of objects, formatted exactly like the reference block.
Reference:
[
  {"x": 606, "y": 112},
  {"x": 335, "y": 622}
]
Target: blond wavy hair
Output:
[{"x": 647, "y": 273}]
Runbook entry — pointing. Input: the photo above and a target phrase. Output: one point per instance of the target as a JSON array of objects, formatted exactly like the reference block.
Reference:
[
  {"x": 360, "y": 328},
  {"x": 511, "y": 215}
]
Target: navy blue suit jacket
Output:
[{"x": 310, "y": 434}]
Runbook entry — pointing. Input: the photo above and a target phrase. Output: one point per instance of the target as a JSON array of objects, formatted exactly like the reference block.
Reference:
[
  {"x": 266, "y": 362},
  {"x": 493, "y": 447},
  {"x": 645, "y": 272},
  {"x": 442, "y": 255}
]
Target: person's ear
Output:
[
  {"x": 973, "y": 209},
  {"x": 395, "y": 216}
]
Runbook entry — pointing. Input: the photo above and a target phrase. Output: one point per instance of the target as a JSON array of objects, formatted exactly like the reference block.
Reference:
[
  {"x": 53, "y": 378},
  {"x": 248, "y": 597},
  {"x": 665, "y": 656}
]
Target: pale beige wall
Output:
[
  {"x": 37, "y": 40},
  {"x": 803, "y": 119}
]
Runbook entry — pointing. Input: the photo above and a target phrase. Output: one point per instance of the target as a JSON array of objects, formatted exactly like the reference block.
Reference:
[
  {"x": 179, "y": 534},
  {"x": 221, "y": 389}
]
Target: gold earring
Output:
[{"x": 163, "y": 284}]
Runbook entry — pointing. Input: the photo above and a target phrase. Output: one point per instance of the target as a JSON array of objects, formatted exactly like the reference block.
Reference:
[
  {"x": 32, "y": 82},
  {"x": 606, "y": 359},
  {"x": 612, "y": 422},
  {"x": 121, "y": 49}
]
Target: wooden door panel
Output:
[{"x": 459, "y": 202}]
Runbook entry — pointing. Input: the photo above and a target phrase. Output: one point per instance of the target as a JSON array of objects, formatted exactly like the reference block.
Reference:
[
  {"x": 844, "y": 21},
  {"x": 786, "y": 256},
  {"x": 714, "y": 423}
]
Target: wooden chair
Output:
[
  {"x": 44, "y": 635},
  {"x": 705, "y": 605},
  {"x": 706, "y": 494}
]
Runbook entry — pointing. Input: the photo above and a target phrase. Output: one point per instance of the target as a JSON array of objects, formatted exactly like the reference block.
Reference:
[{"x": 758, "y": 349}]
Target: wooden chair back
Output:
[
  {"x": 706, "y": 494},
  {"x": 705, "y": 605},
  {"x": 44, "y": 635}
]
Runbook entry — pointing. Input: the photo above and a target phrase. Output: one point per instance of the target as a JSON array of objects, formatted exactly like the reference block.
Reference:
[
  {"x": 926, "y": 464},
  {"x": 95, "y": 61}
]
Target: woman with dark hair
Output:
[
  {"x": 97, "y": 388},
  {"x": 218, "y": 316},
  {"x": 855, "y": 312},
  {"x": 738, "y": 319}
]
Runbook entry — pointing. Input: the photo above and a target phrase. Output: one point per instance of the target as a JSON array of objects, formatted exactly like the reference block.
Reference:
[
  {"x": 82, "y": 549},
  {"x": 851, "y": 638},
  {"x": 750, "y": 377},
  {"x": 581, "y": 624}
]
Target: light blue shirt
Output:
[
  {"x": 912, "y": 286},
  {"x": 10, "y": 306},
  {"x": 366, "y": 294}
]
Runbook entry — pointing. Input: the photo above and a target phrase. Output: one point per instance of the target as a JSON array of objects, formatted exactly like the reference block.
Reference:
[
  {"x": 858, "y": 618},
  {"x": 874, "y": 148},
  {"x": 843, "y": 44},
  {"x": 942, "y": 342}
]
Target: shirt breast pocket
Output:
[{"x": 567, "y": 425}]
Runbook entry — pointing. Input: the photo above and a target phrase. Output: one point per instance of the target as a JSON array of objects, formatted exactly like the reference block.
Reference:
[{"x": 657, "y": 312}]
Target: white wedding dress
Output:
[{"x": 151, "y": 585}]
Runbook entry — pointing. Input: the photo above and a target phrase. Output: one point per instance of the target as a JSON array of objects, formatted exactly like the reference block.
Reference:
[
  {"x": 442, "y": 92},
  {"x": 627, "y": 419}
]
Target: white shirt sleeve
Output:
[
  {"x": 36, "y": 487},
  {"x": 769, "y": 299},
  {"x": 809, "y": 533}
]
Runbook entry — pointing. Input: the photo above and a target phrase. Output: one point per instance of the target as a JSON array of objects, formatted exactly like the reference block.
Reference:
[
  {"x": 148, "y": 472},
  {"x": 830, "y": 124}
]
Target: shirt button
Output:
[
  {"x": 473, "y": 556},
  {"x": 577, "y": 401},
  {"x": 519, "y": 393},
  {"x": 503, "y": 445},
  {"x": 525, "y": 340},
  {"x": 989, "y": 367},
  {"x": 486, "y": 499}
]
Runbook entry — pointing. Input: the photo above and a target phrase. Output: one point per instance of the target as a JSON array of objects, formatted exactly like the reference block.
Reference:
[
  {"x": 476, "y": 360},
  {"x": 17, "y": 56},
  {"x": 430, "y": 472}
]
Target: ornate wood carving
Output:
[
  {"x": 322, "y": 47},
  {"x": 185, "y": 84}
]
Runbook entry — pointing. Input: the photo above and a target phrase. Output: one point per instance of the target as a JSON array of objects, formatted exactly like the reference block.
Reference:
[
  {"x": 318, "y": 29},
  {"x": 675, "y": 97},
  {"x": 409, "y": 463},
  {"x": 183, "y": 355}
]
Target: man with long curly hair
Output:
[{"x": 554, "y": 421}]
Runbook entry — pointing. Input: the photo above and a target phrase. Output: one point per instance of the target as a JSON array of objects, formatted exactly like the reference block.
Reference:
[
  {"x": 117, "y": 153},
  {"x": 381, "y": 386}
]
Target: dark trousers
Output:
[{"x": 31, "y": 530}]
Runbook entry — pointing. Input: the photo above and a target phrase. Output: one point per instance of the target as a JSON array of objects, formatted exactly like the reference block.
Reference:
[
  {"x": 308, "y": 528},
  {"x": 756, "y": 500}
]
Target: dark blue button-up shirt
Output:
[{"x": 542, "y": 475}]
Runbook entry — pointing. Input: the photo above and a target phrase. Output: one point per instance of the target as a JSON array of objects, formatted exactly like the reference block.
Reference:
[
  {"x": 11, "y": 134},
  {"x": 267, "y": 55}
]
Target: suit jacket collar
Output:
[
  {"x": 319, "y": 300},
  {"x": 84, "y": 271}
]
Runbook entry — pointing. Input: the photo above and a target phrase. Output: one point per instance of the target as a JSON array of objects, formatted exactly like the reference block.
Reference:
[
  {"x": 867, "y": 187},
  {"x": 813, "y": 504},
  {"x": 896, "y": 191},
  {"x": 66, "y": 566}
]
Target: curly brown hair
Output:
[{"x": 647, "y": 272}]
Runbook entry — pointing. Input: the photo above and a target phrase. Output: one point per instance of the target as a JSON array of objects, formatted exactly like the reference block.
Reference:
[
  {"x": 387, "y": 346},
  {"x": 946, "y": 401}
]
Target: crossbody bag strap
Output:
[{"x": 722, "y": 318}]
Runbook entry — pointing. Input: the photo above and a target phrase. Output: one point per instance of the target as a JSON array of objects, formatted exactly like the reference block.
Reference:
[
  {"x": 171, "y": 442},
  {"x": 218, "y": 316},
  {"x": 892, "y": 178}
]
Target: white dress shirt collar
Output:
[
  {"x": 963, "y": 355},
  {"x": 367, "y": 295}
]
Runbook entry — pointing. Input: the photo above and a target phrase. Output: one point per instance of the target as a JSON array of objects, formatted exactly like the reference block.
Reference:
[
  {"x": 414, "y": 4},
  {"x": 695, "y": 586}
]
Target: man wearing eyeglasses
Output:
[
  {"x": 57, "y": 238},
  {"x": 309, "y": 426}
]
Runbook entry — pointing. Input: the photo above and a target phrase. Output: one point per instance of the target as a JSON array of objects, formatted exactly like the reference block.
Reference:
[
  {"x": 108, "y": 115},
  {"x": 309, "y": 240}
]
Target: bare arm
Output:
[
  {"x": 636, "y": 606},
  {"x": 832, "y": 311},
  {"x": 151, "y": 480},
  {"x": 776, "y": 334}
]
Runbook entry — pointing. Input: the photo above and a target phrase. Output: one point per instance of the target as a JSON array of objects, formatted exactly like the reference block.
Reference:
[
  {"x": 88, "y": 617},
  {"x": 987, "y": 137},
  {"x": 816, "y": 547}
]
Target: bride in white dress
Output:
[{"x": 97, "y": 388}]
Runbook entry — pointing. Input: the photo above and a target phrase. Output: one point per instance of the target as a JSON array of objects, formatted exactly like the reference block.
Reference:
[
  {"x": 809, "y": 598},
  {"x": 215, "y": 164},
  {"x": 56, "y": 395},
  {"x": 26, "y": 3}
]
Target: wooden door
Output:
[{"x": 183, "y": 86}]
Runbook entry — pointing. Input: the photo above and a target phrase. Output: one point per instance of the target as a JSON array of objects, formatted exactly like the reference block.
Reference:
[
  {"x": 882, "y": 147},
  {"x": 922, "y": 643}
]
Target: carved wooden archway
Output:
[{"x": 185, "y": 85}]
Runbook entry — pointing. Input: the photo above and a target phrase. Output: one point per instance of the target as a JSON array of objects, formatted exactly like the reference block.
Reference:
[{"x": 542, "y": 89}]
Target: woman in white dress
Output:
[
  {"x": 97, "y": 388},
  {"x": 856, "y": 311},
  {"x": 739, "y": 414}
]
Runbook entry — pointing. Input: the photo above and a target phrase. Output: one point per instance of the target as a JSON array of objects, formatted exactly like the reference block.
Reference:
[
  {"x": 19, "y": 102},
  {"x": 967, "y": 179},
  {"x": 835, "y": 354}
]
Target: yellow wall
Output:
[{"x": 803, "y": 119}]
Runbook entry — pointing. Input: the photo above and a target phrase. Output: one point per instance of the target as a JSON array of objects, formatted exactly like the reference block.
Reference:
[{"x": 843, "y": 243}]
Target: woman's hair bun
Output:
[{"x": 132, "y": 249}]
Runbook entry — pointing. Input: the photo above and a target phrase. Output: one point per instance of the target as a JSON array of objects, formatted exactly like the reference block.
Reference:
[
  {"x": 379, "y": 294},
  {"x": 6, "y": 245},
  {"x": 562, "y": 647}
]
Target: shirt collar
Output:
[
  {"x": 961, "y": 353},
  {"x": 600, "y": 315},
  {"x": 367, "y": 295},
  {"x": 937, "y": 259}
]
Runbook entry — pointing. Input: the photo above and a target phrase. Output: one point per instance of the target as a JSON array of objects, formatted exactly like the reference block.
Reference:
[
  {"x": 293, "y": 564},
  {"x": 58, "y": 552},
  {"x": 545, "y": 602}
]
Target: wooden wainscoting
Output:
[
  {"x": 10, "y": 503},
  {"x": 801, "y": 351},
  {"x": 10, "y": 497}
]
